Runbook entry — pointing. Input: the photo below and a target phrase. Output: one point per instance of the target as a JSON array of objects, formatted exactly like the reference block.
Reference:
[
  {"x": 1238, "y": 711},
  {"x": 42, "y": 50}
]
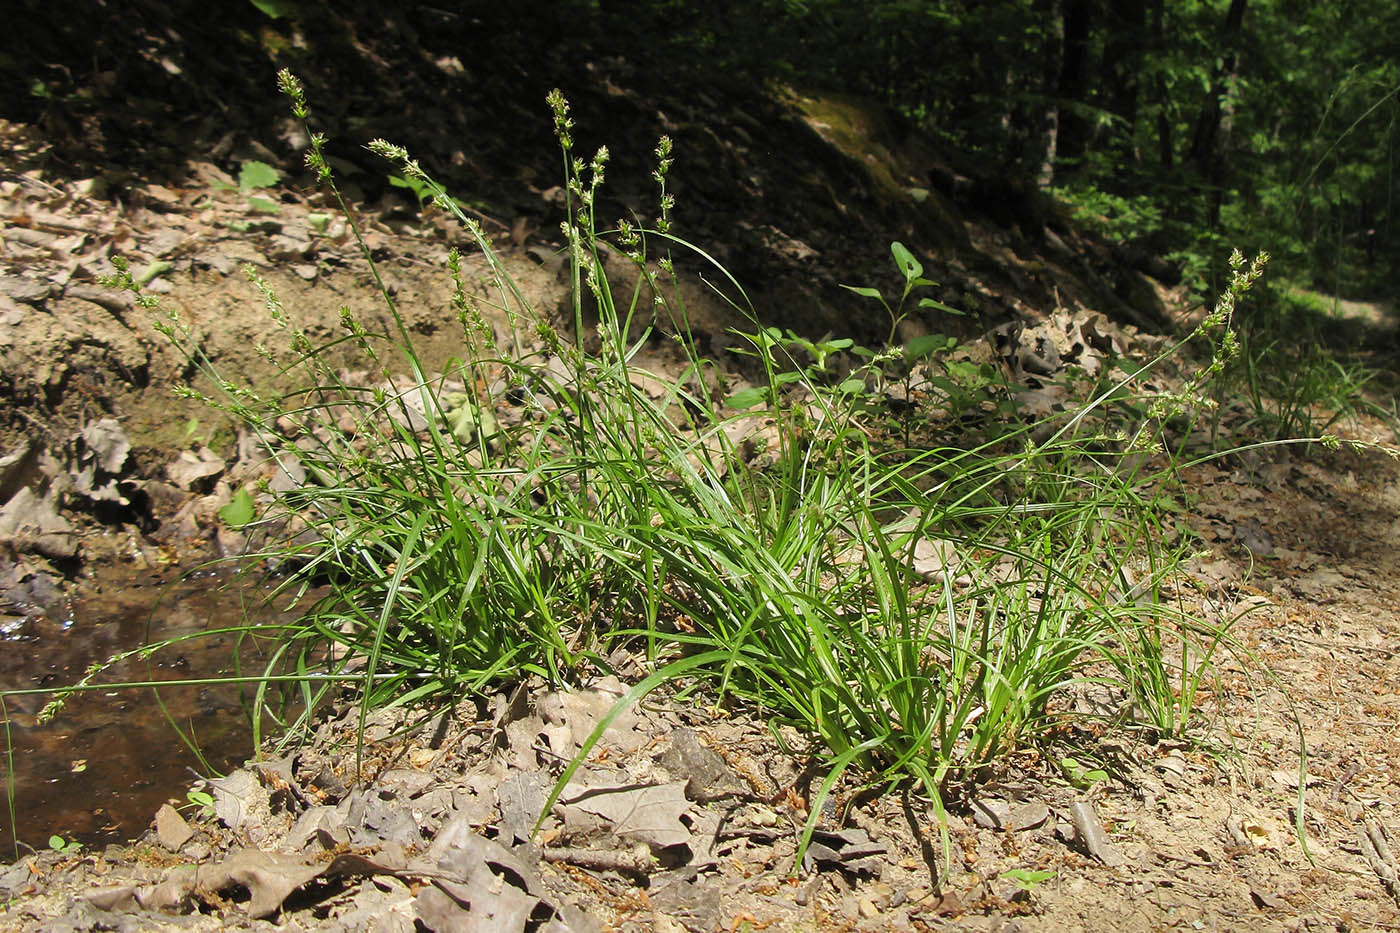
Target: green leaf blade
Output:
[
  {"x": 748, "y": 398},
  {"x": 913, "y": 269},
  {"x": 254, "y": 175},
  {"x": 239, "y": 511}
]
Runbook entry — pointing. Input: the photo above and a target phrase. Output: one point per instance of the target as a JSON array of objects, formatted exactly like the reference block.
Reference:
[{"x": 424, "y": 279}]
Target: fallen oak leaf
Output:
[
  {"x": 649, "y": 813},
  {"x": 268, "y": 878}
]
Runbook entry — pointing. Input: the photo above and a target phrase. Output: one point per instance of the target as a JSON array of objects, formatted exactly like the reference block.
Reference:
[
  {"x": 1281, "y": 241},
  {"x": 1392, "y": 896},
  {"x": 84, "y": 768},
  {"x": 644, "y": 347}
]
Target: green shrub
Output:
[{"x": 1111, "y": 215}]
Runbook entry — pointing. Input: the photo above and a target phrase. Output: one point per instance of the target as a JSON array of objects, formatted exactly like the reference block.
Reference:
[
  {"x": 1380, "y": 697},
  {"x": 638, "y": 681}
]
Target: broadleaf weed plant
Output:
[{"x": 917, "y": 610}]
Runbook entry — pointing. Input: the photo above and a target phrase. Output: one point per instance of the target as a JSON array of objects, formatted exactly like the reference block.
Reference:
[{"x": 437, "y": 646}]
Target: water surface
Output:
[{"x": 102, "y": 767}]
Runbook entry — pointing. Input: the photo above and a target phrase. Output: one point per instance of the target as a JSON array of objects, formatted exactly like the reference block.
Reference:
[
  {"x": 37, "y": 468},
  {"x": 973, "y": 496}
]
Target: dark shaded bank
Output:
[{"x": 795, "y": 191}]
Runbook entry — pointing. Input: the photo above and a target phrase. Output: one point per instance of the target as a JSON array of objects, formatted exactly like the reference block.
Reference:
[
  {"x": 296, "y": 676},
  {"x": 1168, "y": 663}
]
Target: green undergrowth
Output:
[
  {"x": 1298, "y": 373},
  {"x": 918, "y": 596}
]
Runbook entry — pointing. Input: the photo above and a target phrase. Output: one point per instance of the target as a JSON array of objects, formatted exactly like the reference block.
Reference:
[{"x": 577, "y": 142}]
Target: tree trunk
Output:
[
  {"x": 1073, "y": 86},
  {"x": 1213, "y": 125},
  {"x": 1165, "y": 153},
  {"x": 1124, "y": 41},
  {"x": 1050, "y": 118}
]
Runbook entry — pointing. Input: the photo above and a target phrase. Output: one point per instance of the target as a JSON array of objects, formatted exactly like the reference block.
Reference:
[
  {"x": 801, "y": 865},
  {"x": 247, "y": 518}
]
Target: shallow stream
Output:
[{"x": 102, "y": 767}]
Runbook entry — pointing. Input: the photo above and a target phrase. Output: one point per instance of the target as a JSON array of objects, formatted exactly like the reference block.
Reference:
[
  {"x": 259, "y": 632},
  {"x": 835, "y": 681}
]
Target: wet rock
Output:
[{"x": 27, "y": 588}]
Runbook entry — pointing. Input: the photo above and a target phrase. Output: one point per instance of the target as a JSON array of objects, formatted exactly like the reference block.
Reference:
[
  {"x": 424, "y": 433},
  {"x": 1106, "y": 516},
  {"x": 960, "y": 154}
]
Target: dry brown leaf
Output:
[{"x": 649, "y": 813}]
